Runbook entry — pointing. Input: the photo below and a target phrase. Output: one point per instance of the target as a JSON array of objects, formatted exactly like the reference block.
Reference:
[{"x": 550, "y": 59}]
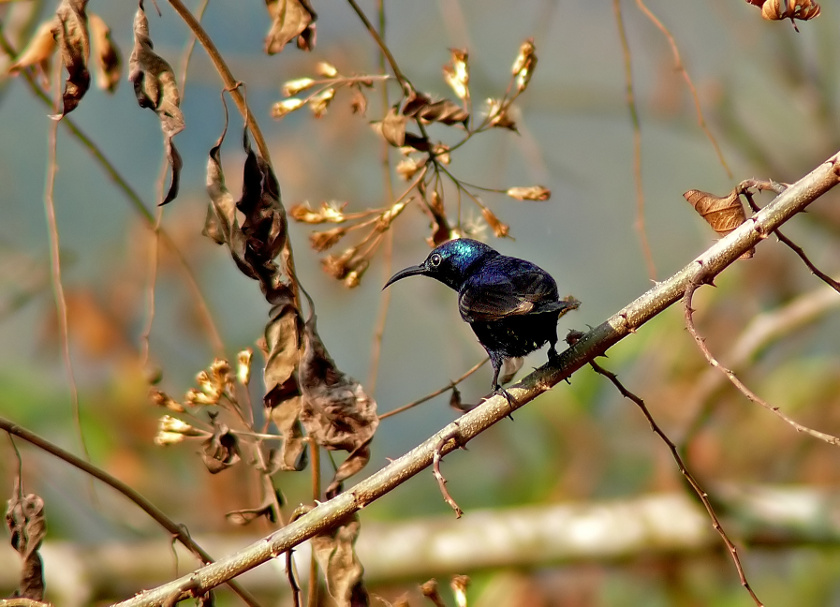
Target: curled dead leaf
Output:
[
  {"x": 392, "y": 128},
  {"x": 155, "y": 88},
  {"x": 421, "y": 106},
  {"x": 70, "y": 31},
  {"x": 27, "y": 526},
  {"x": 221, "y": 450}
]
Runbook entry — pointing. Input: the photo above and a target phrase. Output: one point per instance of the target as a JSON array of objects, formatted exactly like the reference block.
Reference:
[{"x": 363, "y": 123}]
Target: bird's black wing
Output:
[{"x": 494, "y": 295}]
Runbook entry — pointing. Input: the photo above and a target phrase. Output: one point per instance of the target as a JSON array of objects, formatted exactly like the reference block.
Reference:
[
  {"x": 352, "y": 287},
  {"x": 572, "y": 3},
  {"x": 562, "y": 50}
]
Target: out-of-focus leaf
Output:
[
  {"x": 421, "y": 106},
  {"x": 27, "y": 525},
  {"x": 71, "y": 34},
  {"x": 336, "y": 410},
  {"x": 441, "y": 230},
  {"x": 108, "y": 62},
  {"x": 724, "y": 214},
  {"x": 221, "y": 450},
  {"x": 38, "y": 50},
  {"x": 155, "y": 88},
  {"x": 336, "y": 555},
  {"x": 457, "y": 74},
  {"x": 775, "y": 10},
  {"x": 290, "y": 19},
  {"x": 533, "y": 192}
]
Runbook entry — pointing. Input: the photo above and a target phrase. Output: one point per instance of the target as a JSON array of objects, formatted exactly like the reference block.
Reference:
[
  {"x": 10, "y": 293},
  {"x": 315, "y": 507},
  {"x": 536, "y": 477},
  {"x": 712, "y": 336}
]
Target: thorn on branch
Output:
[{"x": 440, "y": 478}]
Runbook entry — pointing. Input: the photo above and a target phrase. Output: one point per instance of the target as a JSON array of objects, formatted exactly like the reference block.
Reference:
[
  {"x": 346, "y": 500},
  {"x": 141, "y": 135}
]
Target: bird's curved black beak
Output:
[{"x": 409, "y": 271}]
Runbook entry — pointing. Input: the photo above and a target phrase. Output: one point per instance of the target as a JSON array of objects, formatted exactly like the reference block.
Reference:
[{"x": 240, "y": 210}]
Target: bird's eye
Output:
[{"x": 434, "y": 260}]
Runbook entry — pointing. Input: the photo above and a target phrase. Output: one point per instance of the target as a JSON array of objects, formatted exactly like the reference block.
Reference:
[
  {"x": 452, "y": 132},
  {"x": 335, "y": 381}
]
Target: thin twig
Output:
[
  {"x": 678, "y": 64},
  {"x": 383, "y": 48},
  {"x": 55, "y": 266},
  {"x": 701, "y": 343},
  {"x": 794, "y": 247},
  {"x": 447, "y": 497},
  {"x": 695, "y": 486},
  {"x": 437, "y": 392},
  {"x": 136, "y": 203},
  {"x": 178, "y": 531},
  {"x": 630, "y": 96}
]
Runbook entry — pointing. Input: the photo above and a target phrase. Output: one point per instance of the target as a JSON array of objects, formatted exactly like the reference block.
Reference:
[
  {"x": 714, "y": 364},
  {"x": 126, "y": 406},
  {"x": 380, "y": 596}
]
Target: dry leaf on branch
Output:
[
  {"x": 71, "y": 35},
  {"x": 221, "y": 450},
  {"x": 724, "y": 214},
  {"x": 155, "y": 88},
  {"x": 27, "y": 526},
  {"x": 290, "y": 19}
]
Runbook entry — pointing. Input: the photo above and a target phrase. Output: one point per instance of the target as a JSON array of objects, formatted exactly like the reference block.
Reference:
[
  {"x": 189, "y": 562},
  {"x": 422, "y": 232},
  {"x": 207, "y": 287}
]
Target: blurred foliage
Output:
[{"x": 770, "y": 97}]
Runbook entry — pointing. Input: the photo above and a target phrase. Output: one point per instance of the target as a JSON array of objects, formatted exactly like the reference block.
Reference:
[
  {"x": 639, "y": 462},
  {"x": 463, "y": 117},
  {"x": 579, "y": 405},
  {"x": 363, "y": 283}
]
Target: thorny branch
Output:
[
  {"x": 592, "y": 344},
  {"x": 695, "y": 486}
]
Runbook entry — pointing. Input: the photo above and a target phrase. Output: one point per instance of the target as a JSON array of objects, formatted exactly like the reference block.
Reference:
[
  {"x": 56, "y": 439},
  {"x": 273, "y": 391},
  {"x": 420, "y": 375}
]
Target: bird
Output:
[{"x": 511, "y": 304}]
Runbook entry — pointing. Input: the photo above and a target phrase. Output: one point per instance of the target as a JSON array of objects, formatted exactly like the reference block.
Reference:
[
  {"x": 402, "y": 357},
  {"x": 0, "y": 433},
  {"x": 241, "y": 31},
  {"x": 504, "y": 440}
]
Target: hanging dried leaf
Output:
[
  {"x": 392, "y": 128},
  {"x": 534, "y": 192},
  {"x": 358, "y": 104},
  {"x": 457, "y": 74},
  {"x": 723, "y": 214},
  {"x": 108, "y": 62},
  {"x": 282, "y": 338},
  {"x": 155, "y": 88},
  {"x": 38, "y": 51},
  {"x": 290, "y": 19},
  {"x": 71, "y": 34},
  {"x": 336, "y": 555},
  {"x": 421, "y": 106},
  {"x": 221, "y": 450},
  {"x": 336, "y": 410},
  {"x": 27, "y": 525}
]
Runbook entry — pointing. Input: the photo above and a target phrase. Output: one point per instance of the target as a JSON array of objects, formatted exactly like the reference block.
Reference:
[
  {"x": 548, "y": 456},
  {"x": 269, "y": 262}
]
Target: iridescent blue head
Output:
[{"x": 449, "y": 263}]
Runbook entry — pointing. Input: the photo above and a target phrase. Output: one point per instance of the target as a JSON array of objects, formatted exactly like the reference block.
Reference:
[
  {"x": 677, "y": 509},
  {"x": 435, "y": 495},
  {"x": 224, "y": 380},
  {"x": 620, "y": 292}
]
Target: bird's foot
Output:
[{"x": 511, "y": 401}]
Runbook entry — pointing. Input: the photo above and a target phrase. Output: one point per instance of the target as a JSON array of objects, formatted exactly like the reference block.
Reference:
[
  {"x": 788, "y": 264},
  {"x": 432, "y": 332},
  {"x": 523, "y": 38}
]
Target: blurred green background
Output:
[{"x": 769, "y": 96}]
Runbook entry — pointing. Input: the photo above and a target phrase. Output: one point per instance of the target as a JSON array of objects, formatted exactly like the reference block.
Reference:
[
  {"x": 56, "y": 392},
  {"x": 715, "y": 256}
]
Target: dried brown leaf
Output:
[
  {"x": 71, "y": 35},
  {"x": 499, "y": 228},
  {"x": 155, "y": 88},
  {"x": 38, "y": 51},
  {"x": 246, "y": 516},
  {"x": 290, "y": 19},
  {"x": 336, "y": 410},
  {"x": 108, "y": 62},
  {"x": 421, "y": 106},
  {"x": 441, "y": 229},
  {"x": 358, "y": 104},
  {"x": 724, "y": 214},
  {"x": 392, "y": 128},
  {"x": 533, "y": 192},
  {"x": 27, "y": 526},
  {"x": 336, "y": 555}
]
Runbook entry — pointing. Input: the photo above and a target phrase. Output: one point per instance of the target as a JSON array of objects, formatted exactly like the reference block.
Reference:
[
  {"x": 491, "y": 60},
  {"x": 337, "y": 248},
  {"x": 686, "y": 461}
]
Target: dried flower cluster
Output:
[
  {"x": 424, "y": 161},
  {"x": 776, "y": 10}
]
